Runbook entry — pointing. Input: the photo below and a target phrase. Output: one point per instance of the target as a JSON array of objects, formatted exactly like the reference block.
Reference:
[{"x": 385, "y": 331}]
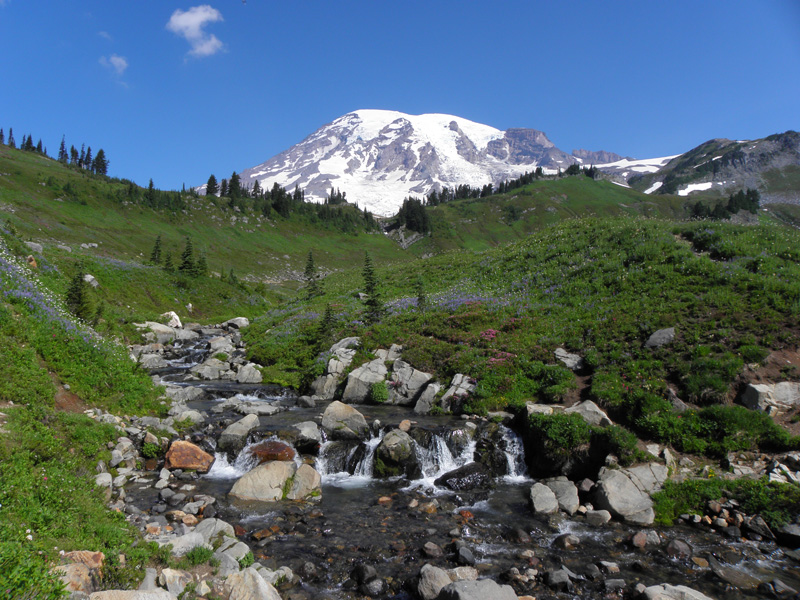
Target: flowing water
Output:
[{"x": 361, "y": 519}]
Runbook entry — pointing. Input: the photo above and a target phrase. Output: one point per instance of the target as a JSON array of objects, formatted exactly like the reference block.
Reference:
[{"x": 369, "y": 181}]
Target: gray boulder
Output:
[
  {"x": 210, "y": 369},
  {"x": 408, "y": 383},
  {"x": 649, "y": 478},
  {"x": 249, "y": 585},
  {"x": 431, "y": 581},
  {"x": 235, "y": 435},
  {"x": 265, "y": 483},
  {"x": 665, "y": 591},
  {"x": 152, "y": 361},
  {"x": 620, "y": 496},
  {"x": 213, "y": 529},
  {"x": 591, "y": 413},
  {"x": 237, "y": 323},
  {"x": 162, "y": 333},
  {"x": 571, "y": 361},
  {"x": 359, "y": 381},
  {"x": 309, "y": 434},
  {"x": 427, "y": 399},
  {"x": 662, "y": 337},
  {"x": 566, "y": 494},
  {"x": 767, "y": 397},
  {"x": 543, "y": 500},
  {"x": 344, "y": 343},
  {"x": 460, "y": 386},
  {"x": 184, "y": 394},
  {"x": 35, "y": 247},
  {"x": 248, "y": 373},
  {"x": 343, "y": 422},
  {"x": 482, "y": 589}
]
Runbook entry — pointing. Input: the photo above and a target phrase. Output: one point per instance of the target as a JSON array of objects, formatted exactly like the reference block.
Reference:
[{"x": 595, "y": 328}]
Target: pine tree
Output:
[
  {"x": 87, "y": 160},
  {"x": 82, "y": 157},
  {"x": 187, "y": 258},
  {"x": 2, "y": 136},
  {"x": 422, "y": 300},
  {"x": 155, "y": 255},
  {"x": 223, "y": 187},
  {"x": 78, "y": 301},
  {"x": 374, "y": 306},
  {"x": 11, "y": 142},
  {"x": 212, "y": 187},
  {"x": 313, "y": 287},
  {"x": 168, "y": 266},
  {"x": 100, "y": 164},
  {"x": 73, "y": 155},
  {"x": 39, "y": 148},
  {"x": 234, "y": 186},
  {"x": 63, "y": 157},
  {"x": 325, "y": 327},
  {"x": 201, "y": 266}
]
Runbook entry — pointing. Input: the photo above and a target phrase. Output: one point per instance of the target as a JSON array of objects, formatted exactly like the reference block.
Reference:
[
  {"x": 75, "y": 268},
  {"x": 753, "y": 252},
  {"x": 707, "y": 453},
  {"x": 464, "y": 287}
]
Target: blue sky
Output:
[{"x": 179, "y": 90}]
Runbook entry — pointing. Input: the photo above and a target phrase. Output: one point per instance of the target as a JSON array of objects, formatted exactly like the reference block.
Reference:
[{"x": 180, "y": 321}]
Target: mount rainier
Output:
[{"x": 380, "y": 157}]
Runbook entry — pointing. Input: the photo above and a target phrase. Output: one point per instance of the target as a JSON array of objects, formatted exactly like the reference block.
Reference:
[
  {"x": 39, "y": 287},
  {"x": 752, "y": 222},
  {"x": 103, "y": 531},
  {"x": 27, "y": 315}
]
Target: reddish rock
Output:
[
  {"x": 93, "y": 560},
  {"x": 270, "y": 450},
  {"x": 384, "y": 500},
  {"x": 639, "y": 539},
  {"x": 239, "y": 531},
  {"x": 187, "y": 456}
]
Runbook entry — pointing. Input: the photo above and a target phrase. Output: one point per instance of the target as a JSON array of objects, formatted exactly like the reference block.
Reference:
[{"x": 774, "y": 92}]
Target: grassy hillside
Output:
[
  {"x": 478, "y": 224},
  {"x": 54, "y": 204}
]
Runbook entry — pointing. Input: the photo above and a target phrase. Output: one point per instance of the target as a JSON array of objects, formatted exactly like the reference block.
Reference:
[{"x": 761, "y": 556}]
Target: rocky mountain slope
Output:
[{"x": 378, "y": 157}]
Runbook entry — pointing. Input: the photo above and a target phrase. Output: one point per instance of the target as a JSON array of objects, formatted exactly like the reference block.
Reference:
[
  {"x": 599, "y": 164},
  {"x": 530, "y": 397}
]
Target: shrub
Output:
[
  {"x": 379, "y": 392},
  {"x": 199, "y": 555},
  {"x": 247, "y": 560}
]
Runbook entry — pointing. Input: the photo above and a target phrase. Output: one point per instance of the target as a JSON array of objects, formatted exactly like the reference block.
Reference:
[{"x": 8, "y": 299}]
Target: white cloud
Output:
[
  {"x": 102, "y": 34},
  {"x": 116, "y": 63},
  {"x": 189, "y": 24}
]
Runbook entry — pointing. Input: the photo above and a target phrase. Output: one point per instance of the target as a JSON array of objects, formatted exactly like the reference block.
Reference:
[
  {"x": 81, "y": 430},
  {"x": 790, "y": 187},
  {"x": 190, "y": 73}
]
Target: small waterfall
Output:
[
  {"x": 515, "y": 455},
  {"x": 223, "y": 469},
  {"x": 347, "y": 463},
  {"x": 444, "y": 453}
]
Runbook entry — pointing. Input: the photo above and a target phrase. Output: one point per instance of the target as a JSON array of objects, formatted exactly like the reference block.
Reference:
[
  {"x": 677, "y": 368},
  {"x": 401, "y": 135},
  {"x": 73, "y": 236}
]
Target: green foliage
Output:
[
  {"x": 150, "y": 450},
  {"x": 247, "y": 560},
  {"x": 78, "y": 298},
  {"x": 560, "y": 434},
  {"x": 23, "y": 576},
  {"x": 373, "y": 304},
  {"x": 199, "y": 555},
  {"x": 775, "y": 502},
  {"x": 379, "y": 392}
]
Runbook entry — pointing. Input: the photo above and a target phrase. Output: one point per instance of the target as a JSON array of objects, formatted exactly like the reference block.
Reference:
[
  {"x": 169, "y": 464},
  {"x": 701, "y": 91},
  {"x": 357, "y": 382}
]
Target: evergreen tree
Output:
[
  {"x": 100, "y": 165},
  {"x": 82, "y": 157},
  {"x": 168, "y": 266},
  {"x": 2, "y": 136},
  {"x": 39, "y": 148},
  {"x": 187, "y": 258},
  {"x": 422, "y": 300},
  {"x": 325, "y": 328},
  {"x": 87, "y": 160},
  {"x": 155, "y": 255},
  {"x": 11, "y": 142},
  {"x": 257, "y": 191},
  {"x": 63, "y": 157},
  {"x": 73, "y": 155},
  {"x": 78, "y": 301},
  {"x": 201, "y": 266},
  {"x": 223, "y": 188},
  {"x": 150, "y": 194},
  {"x": 234, "y": 186},
  {"x": 212, "y": 187},
  {"x": 313, "y": 287},
  {"x": 374, "y": 306}
]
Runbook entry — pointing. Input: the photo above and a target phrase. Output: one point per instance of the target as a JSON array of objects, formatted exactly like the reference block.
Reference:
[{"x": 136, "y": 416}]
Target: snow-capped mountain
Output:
[{"x": 380, "y": 157}]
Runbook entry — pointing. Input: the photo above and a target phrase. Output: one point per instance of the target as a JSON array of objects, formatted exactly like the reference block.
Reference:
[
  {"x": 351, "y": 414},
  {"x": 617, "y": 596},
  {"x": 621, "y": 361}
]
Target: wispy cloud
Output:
[
  {"x": 116, "y": 63},
  {"x": 189, "y": 24},
  {"x": 102, "y": 34}
]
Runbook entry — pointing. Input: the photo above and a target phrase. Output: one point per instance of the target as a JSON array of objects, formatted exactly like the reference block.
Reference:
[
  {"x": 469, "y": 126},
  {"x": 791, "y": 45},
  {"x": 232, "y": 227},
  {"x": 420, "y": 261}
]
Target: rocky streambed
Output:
[{"x": 334, "y": 500}]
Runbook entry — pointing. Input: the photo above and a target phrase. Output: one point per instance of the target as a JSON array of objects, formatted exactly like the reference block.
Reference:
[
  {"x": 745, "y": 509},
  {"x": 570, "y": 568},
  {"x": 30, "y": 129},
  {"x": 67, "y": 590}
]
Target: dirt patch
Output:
[
  {"x": 66, "y": 400},
  {"x": 780, "y": 365}
]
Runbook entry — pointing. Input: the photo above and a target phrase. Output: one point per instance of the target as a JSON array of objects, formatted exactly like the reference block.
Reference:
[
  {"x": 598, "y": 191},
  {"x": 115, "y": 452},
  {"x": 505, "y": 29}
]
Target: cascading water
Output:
[
  {"x": 341, "y": 464},
  {"x": 439, "y": 459},
  {"x": 245, "y": 461},
  {"x": 515, "y": 456}
]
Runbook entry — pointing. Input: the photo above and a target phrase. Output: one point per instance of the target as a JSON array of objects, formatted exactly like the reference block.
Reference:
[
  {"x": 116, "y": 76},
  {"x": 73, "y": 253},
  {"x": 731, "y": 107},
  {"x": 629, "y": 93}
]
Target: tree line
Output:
[
  {"x": 742, "y": 200},
  {"x": 97, "y": 164}
]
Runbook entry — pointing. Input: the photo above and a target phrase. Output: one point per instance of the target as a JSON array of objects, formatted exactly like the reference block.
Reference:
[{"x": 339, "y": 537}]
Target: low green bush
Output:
[{"x": 379, "y": 392}]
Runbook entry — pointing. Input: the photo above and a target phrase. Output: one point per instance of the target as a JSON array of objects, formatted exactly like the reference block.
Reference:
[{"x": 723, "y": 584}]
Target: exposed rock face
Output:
[
  {"x": 617, "y": 493},
  {"x": 571, "y": 361},
  {"x": 591, "y": 413},
  {"x": 344, "y": 422},
  {"x": 461, "y": 386},
  {"x": 470, "y": 476},
  {"x": 187, "y": 456},
  {"x": 171, "y": 319},
  {"x": 235, "y": 435},
  {"x": 248, "y": 373},
  {"x": 407, "y": 383},
  {"x": 250, "y": 585},
  {"x": 211, "y": 369},
  {"x": 768, "y": 397},
  {"x": 566, "y": 494},
  {"x": 431, "y": 581},
  {"x": 132, "y": 595},
  {"x": 359, "y": 381},
  {"x": 427, "y": 399},
  {"x": 341, "y": 356}
]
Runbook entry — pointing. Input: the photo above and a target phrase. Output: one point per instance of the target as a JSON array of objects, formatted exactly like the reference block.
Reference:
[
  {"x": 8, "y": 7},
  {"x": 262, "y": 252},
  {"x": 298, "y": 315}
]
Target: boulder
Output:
[
  {"x": 90, "y": 279},
  {"x": 482, "y": 589},
  {"x": 344, "y": 343},
  {"x": 35, "y": 247},
  {"x": 248, "y": 373},
  {"x": 619, "y": 495},
  {"x": 396, "y": 452},
  {"x": 571, "y": 361},
  {"x": 174, "y": 580},
  {"x": 649, "y": 478},
  {"x": 591, "y": 413},
  {"x": 431, "y": 581},
  {"x": 181, "y": 545},
  {"x": 460, "y": 386},
  {"x": 221, "y": 343},
  {"x": 269, "y": 450},
  {"x": 597, "y": 518},
  {"x": 185, "y": 455},
  {"x": 235, "y": 435},
  {"x": 566, "y": 494},
  {"x": 237, "y": 323},
  {"x": 538, "y": 409},
  {"x": 543, "y": 500},
  {"x": 359, "y": 381},
  {"x": 762, "y": 396},
  {"x": 309, "y": 438},
  {"x": 662, "y": 337},
  {"x": 171, "y": 319},
  {"x": 212, "y": 529},
  {"x": 211, "y": 369},
  {"x": 470, "y": 476},
  {"x": 343, "y": 422},
  {"x": 265, "y": 483},
  {"x": 427, "y": 398},
  {"x": 249, "y": 585},
  {"x": 162, "y": 333},
  {"x": 306, "y": 484},
  {"x": 407, "y": 383},
  {"x": 394, "y": 353},
  {"x": 184, "y": 394}
]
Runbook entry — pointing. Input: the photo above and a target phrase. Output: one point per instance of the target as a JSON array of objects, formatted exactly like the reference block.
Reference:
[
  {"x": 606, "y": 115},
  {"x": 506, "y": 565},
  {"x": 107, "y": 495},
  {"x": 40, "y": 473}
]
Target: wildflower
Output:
[{"x": 29, "y": 537}]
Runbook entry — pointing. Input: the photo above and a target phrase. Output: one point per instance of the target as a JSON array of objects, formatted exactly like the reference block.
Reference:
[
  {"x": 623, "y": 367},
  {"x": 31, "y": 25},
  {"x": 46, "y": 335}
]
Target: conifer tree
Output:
[
  {"x": 325, "y": 327},
  {"x": 39, "y": 148},
  {"x": 168, "y": 266},
  {"x": 374, "y": 306},
  {"x": 201, "y": 266},
  {"x": 155, "y": 255},
  {"x": 78, "y": 301},
  {"x": 2, "y": 136},
  {"x": 223, "y": 187},
  {"x": 313, "y": 287},
  {"x": 422, "y": 300},
  {"x": 187, "y": 258},
  {"x": 63, "y": 157},
  {"x": 212, "y": 187},
  {"x": 11, "y": 142},
  {"x": 82, "y": 156},
  {"x": 100, "y": 164},
  {"x": 234, "y": 186},
  {"x": 87, "y": 160}
]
